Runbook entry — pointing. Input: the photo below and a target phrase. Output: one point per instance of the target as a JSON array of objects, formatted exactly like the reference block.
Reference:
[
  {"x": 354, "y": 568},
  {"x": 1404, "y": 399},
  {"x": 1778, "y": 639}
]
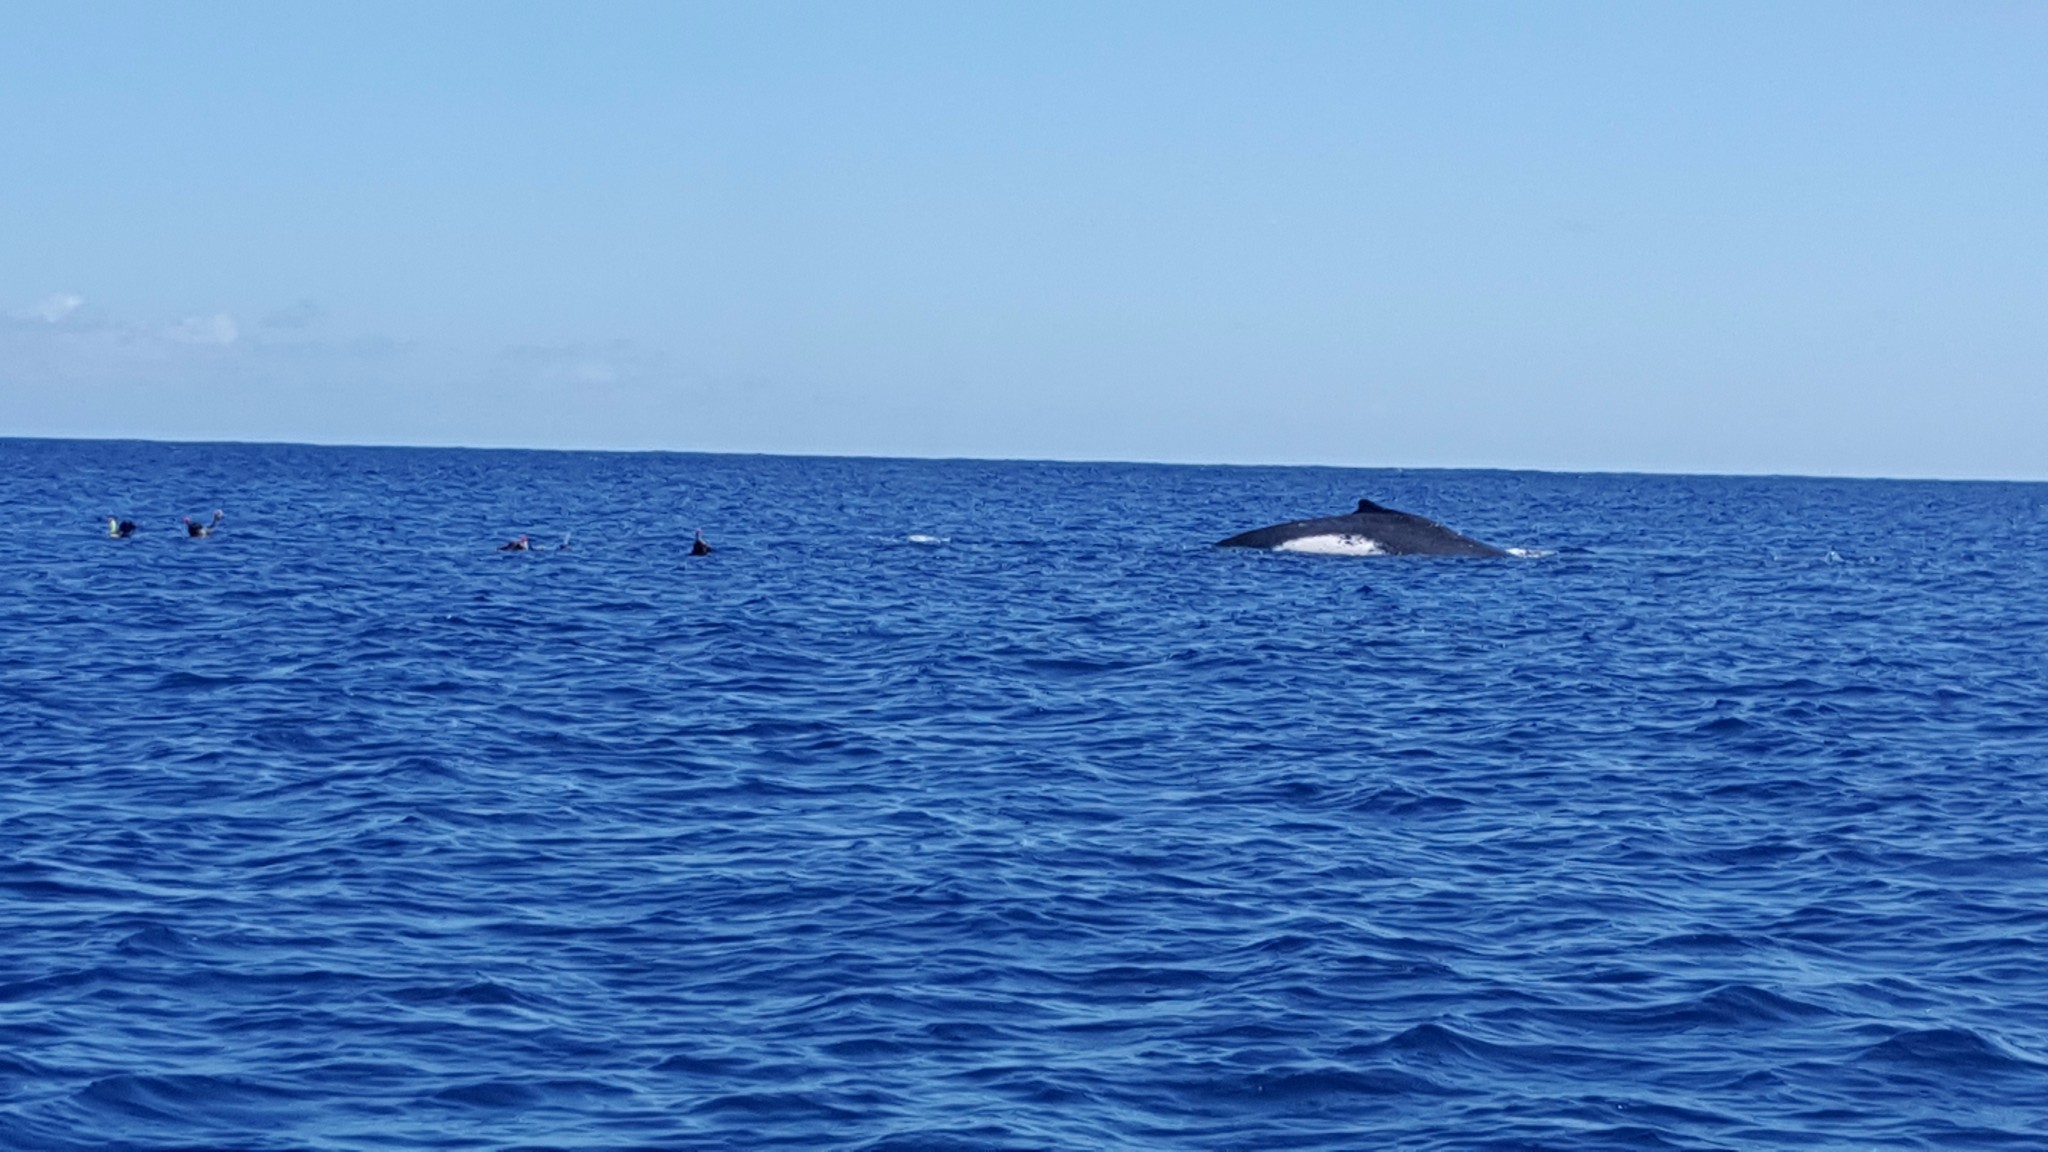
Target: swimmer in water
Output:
[
  {"x": 120, "y": 529},
  {"x": 698, "y": 547},
  {"x": 195, "y": 529},
  {"x": 522, "y": 544}
]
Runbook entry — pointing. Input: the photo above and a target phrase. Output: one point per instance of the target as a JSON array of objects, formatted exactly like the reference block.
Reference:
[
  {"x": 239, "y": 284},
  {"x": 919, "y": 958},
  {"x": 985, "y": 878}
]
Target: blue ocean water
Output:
[{"x": 968, "y": 805}]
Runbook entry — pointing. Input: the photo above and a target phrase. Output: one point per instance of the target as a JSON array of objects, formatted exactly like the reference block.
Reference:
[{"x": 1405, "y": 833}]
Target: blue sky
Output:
[{"x": 1724, "y": 237}]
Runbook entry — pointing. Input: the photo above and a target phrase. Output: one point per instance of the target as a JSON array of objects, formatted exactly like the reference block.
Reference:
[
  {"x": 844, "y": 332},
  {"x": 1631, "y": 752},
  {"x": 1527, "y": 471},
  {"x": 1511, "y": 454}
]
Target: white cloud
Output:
[
  {"x": 572, "y": 368},
  {"x": 54, "y": 308},
  {"x": 217, "y": 329}
]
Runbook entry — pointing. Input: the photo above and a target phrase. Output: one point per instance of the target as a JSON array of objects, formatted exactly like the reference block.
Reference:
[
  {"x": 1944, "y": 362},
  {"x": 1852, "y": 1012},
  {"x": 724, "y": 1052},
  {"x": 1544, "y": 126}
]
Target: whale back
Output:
[{"x": 1373, "y": 529}]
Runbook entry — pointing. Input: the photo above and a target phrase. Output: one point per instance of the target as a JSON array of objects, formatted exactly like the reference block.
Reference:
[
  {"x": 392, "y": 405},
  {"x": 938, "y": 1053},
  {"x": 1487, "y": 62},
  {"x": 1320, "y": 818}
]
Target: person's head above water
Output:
[
  {"x": 120, "y": 529},
  {"x": 517, "y": 544}
]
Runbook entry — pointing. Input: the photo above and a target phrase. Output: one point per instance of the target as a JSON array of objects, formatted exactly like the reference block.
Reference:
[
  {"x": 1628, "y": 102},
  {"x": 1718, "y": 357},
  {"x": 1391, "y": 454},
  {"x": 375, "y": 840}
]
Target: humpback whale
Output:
[{"x": 1370, "y": 531}]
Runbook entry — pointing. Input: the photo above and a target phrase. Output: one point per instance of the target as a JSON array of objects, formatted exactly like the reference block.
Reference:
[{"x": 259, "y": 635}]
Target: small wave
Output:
[
  {"x": 867, "y": 1049},
  {"x": 490, "y": 1094},
  {"x": 181, "y": 681},
  {"x": 1950, "y": 1050},
  {"x": 1761, "y": 852},
  {"x": 1531, "y": 553},
  {"x": 1435, "y": 1042},
  {"x": 780, "y": 1106},
  {"x": 1729, "y": 1006},
  {"x": 478, "y": 992},
  {"x": 976, "y": 1139},
  {"x": 185, "y": 1097},
  {"x": 922, "y": 538},
  {"x": 1399, "y": 801},
  {"x": 694, "y": 1065},
  {"x": 1324, "y": 1083},
  {"x": 1695, "y": 942},
  {"x": 965, "y": 1032},
  {"x": 157, "y": 939},
  {"x": 41, "y": 986}
]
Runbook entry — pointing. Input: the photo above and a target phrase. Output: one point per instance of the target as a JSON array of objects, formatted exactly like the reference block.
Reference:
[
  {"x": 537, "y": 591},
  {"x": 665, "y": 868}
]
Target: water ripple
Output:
[{"x": 965, "y": 805}]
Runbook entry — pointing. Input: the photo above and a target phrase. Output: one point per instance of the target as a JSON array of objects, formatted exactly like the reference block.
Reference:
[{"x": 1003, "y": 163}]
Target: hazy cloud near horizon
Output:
[
  {"x": 1584, "y": 236},
  {"x": 76, "y": 371},
  {"x": 55, "y": 307},
  {"x": 294, "y": 316}
]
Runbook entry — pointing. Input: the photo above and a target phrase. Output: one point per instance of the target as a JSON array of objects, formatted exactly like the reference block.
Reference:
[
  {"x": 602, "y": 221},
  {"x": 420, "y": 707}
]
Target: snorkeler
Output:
[
  {"x": 195, "y": 529},
  {"x": 699, "y": 547},
  {"x": 522, "y": 544},
  {"x": 120, "y": 529}
]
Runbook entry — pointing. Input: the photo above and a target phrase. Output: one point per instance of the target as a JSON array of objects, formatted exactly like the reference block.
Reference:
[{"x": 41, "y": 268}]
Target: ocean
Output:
[{"x": 959, "y": 805}]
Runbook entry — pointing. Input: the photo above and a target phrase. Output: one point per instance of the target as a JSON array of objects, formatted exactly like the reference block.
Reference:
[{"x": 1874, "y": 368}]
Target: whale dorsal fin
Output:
[{"x": 1369, "y": 506}]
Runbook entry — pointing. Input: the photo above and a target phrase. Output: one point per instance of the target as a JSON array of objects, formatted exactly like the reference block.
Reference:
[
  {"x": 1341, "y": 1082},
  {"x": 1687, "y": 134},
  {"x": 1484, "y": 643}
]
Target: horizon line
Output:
[{"x": 617, "y": 451}]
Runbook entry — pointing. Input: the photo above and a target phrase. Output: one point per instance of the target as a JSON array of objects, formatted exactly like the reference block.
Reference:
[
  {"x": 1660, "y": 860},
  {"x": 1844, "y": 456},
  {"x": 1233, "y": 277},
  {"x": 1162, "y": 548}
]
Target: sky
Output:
[{"x": 1677, "y": 237}]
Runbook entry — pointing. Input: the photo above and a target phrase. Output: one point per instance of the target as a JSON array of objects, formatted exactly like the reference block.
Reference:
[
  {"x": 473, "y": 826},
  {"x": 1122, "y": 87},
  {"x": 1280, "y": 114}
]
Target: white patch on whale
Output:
[{"x": 1335, "y": 544}]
